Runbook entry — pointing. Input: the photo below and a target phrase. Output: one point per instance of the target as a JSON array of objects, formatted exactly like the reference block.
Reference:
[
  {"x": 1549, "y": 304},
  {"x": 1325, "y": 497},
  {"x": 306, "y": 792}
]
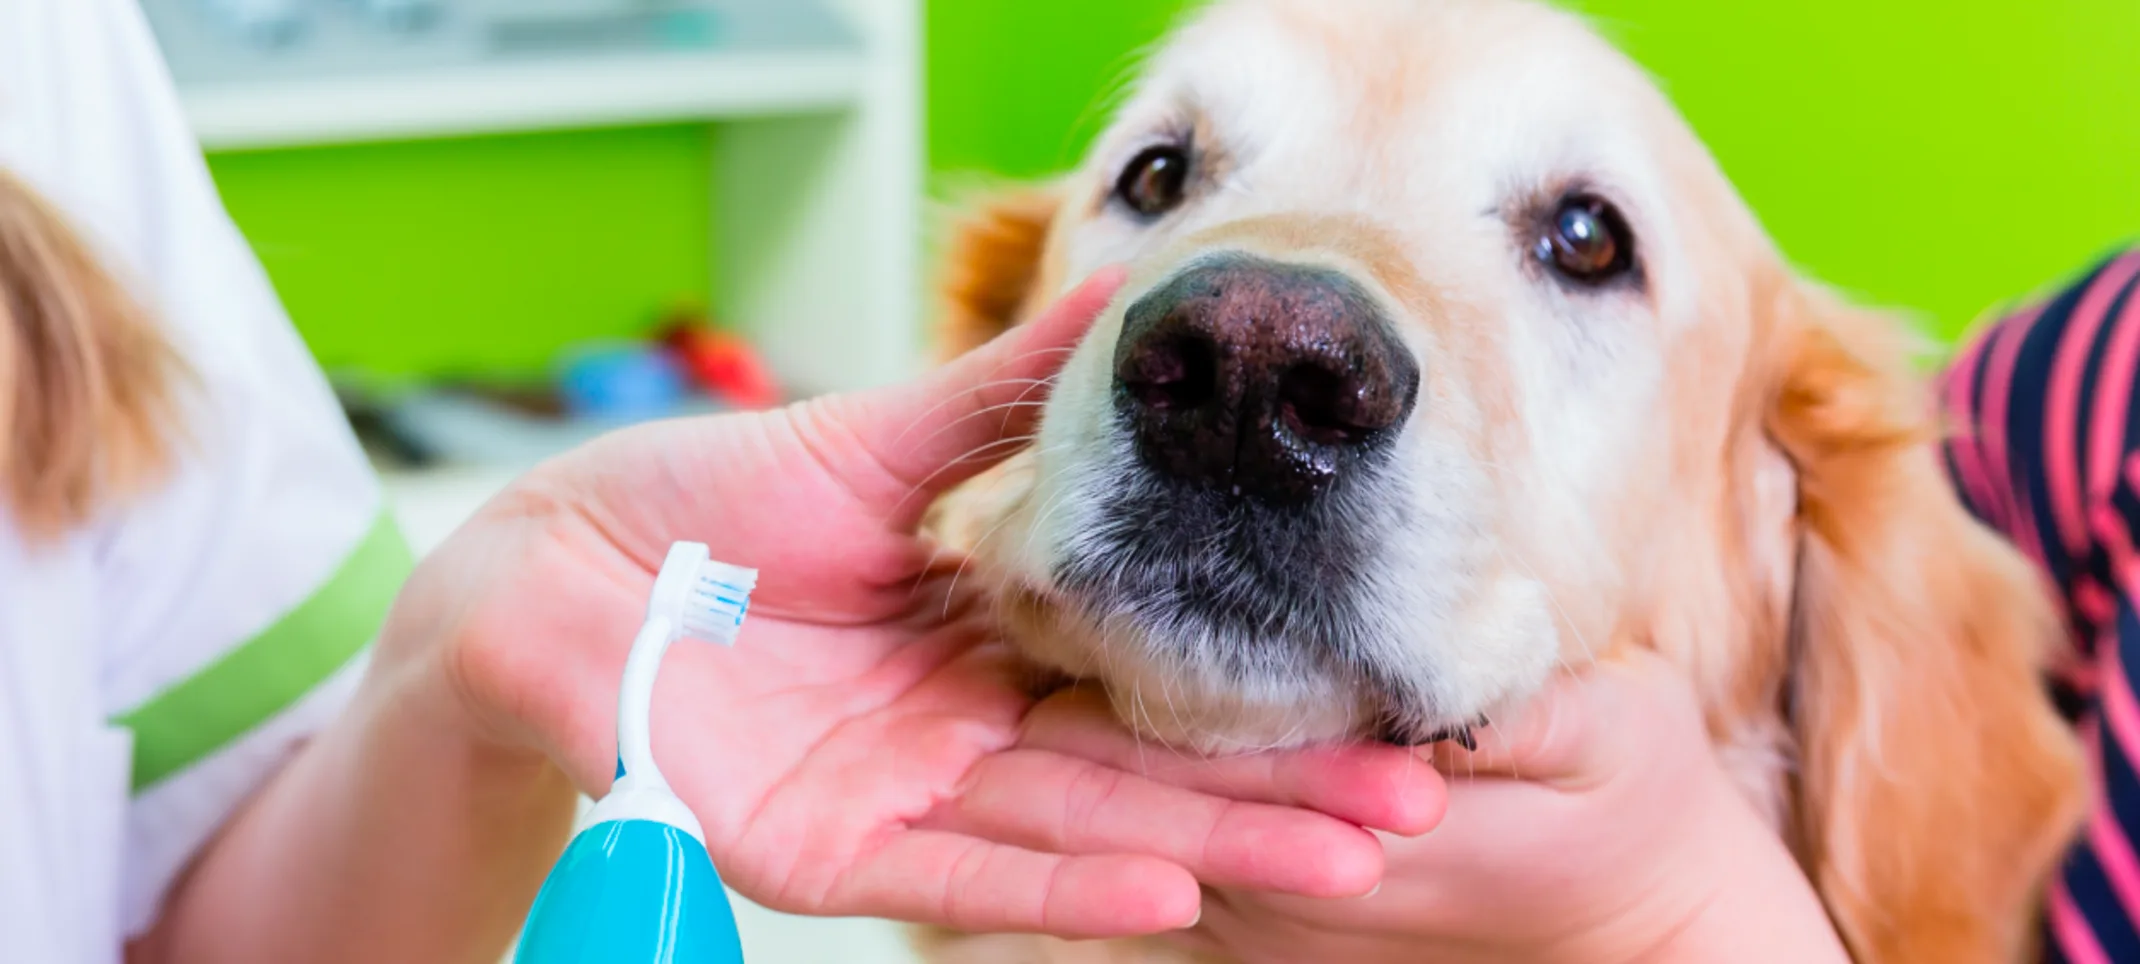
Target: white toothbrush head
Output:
[
  {"x": 700, "y": 598},
  {"x": 719, "y": 597}
]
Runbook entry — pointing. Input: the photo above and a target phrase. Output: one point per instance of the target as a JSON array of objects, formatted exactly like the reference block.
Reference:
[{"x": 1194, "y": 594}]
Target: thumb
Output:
[
  {"x": 1586, "y": 730},
  {"x": 907, "y": 443}
]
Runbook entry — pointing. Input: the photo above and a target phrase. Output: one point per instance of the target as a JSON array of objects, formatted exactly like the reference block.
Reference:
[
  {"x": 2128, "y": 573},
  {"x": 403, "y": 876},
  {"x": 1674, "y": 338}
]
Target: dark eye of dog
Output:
[
  {"x": 1156, "y": 182},
  {"x": 1587, "y": 241}
]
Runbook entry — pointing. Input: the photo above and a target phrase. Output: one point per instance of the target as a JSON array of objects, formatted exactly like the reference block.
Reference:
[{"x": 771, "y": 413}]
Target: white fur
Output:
[{"x": 1460, "y": 604}]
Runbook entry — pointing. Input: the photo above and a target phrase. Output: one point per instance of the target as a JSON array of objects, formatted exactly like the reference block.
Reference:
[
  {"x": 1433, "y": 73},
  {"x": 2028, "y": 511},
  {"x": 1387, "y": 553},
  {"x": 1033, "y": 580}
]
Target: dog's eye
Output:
[
  {"x": 1587, "y": 241},
  {"x": 1155, "y": 182}
]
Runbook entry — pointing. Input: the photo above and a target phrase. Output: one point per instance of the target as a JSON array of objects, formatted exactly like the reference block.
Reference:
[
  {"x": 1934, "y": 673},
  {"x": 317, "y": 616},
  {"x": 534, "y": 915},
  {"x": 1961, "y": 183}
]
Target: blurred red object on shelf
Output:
[{"x": 723, "y": 364}]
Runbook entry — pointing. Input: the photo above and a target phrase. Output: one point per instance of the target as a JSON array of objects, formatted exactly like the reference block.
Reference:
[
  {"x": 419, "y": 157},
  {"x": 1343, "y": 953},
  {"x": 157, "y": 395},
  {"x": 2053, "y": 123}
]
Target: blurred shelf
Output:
[
  {"x": 275, "y": 73},
  {"x": 818, "y": 182},
  {"x": 503, "y": 97}
]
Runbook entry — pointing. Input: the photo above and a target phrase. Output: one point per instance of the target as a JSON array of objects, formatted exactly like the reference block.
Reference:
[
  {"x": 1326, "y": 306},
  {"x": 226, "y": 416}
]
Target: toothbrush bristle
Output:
[{"x": 718, "y": 601}]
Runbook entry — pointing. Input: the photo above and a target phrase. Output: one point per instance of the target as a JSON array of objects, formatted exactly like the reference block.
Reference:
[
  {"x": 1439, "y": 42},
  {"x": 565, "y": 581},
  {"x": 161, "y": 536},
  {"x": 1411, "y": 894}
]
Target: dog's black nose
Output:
[{"x": 1266, "y": 379}]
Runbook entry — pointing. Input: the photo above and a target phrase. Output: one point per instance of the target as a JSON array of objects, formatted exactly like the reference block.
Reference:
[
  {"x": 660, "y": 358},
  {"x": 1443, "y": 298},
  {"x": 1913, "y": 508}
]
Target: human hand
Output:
[
  {"x": 853, "y": 754},
  {"x": 1597, "y": 826}
]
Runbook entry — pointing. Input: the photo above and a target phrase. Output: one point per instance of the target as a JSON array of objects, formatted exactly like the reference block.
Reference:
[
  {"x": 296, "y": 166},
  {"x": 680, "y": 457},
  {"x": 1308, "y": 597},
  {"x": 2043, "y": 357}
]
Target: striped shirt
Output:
[{"x": 2045, "y": 448}]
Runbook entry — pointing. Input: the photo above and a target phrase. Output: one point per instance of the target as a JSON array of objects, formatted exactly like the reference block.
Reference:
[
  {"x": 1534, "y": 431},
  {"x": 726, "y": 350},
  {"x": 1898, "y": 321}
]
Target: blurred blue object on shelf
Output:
[{"x": 621, "y": 383}]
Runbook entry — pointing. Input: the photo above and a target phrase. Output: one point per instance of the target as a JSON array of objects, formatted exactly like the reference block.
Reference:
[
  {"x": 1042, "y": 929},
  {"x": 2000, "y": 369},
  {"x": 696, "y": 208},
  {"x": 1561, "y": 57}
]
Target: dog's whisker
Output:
[
  {"x": 1144, "y": 764},
  {"x": 1041, "y": 519},
  {"x": 1030, "y": 438},
  {"x": 956, "y": 398},
  {"x": 1589, "y": 655},
  {"x": 1166, "y": 699},
  {"x": 921, "y": 577},
  {"x": 1024, "y": 399},
  {"x": 1508, "y": 749},
  {"x": 987, "y": 449},
  {"x": 971, "y": 553},
  {"x": 1292, "y": 733}
]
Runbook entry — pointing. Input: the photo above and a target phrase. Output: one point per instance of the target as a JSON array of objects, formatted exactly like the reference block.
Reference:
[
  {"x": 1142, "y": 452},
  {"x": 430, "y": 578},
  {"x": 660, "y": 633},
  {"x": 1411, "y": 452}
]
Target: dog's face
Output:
[
  {"x": 1369, "y": 439},
  {"x": 1449, "y": 358}
]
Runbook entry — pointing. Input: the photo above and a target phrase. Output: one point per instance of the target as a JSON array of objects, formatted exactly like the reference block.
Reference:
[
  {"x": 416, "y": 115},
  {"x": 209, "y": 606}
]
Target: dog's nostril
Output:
[
  {"x": 1174, "y": 373},
  {"x": 1322, "y": 406}
]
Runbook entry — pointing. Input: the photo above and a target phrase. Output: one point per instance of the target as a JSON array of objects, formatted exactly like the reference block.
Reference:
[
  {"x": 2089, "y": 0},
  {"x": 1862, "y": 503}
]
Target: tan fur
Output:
[
  {"x": 1936, "y": 781},
  {"x": 1868, "y": 656},
  {"x": 992, "y": 267},
  {"x": 86, "y": 379},
  {"x": 1936, "y": 784}
]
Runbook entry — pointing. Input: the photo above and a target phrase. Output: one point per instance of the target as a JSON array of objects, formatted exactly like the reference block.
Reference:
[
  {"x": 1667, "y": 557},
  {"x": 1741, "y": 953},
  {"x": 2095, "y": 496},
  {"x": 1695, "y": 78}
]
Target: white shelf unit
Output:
[
  {"x": 818, "y": 183},
  {"x": 518, "y": 97}
]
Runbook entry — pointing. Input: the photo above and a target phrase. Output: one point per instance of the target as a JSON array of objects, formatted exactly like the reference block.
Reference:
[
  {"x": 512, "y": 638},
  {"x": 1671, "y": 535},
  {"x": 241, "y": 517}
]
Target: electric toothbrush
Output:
[{"x": 636, "y": 886}]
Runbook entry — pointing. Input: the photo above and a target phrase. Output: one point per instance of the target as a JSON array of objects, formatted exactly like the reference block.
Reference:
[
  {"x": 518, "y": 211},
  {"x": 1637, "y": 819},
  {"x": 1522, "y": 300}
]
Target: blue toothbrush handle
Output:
[{"x": 632, "y": 892}]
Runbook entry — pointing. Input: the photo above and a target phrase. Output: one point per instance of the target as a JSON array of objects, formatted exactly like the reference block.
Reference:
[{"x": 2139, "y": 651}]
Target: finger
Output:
[
  {"x": 1583, "y": 729},
  {"x": 1062, "y": 804},
  {"x": 1369, "y": 785},
  {"x": 952, "y": 880},
  {"x": 923, "y": 438}
]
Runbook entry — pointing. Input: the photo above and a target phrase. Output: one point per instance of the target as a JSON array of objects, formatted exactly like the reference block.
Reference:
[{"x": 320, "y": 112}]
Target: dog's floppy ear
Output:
[
  {"x": 85, "y": 376},
  {"x": 1937, "y": 785},
  {"x": 993, "y": 266}
]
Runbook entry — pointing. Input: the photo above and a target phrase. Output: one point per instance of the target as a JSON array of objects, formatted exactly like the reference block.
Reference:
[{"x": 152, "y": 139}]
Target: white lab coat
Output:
[{"x": 270, "y": 498}]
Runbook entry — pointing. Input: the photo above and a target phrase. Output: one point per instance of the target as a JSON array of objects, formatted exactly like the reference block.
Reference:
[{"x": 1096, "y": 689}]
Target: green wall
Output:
[
  {"x": 1940, "y": 156},
  {"x": 1936, "y": 155},
  {"x": 479, "y": 257},
  {"x": 1018, "y": 88}
]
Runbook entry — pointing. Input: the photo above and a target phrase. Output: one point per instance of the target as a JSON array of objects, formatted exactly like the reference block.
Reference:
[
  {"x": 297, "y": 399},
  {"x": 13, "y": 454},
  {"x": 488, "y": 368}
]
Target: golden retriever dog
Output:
[
  {"x": 86, "y": 378},
  {"x": 1450, "y": 361}
]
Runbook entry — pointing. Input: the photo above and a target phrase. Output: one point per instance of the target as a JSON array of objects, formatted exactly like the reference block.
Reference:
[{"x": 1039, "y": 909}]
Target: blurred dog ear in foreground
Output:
[{"x": 993, "y": 267}]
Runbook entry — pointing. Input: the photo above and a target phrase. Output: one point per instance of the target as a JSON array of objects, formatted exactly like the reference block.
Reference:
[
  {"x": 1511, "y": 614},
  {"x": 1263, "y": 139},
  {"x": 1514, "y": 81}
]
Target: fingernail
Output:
[{"x": 1373, "y": 891}]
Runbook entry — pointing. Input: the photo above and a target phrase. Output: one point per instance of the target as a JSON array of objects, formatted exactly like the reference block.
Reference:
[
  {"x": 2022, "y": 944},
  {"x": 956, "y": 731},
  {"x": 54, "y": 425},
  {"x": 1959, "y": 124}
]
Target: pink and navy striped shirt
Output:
[{"x": 2046, "y": 449}]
